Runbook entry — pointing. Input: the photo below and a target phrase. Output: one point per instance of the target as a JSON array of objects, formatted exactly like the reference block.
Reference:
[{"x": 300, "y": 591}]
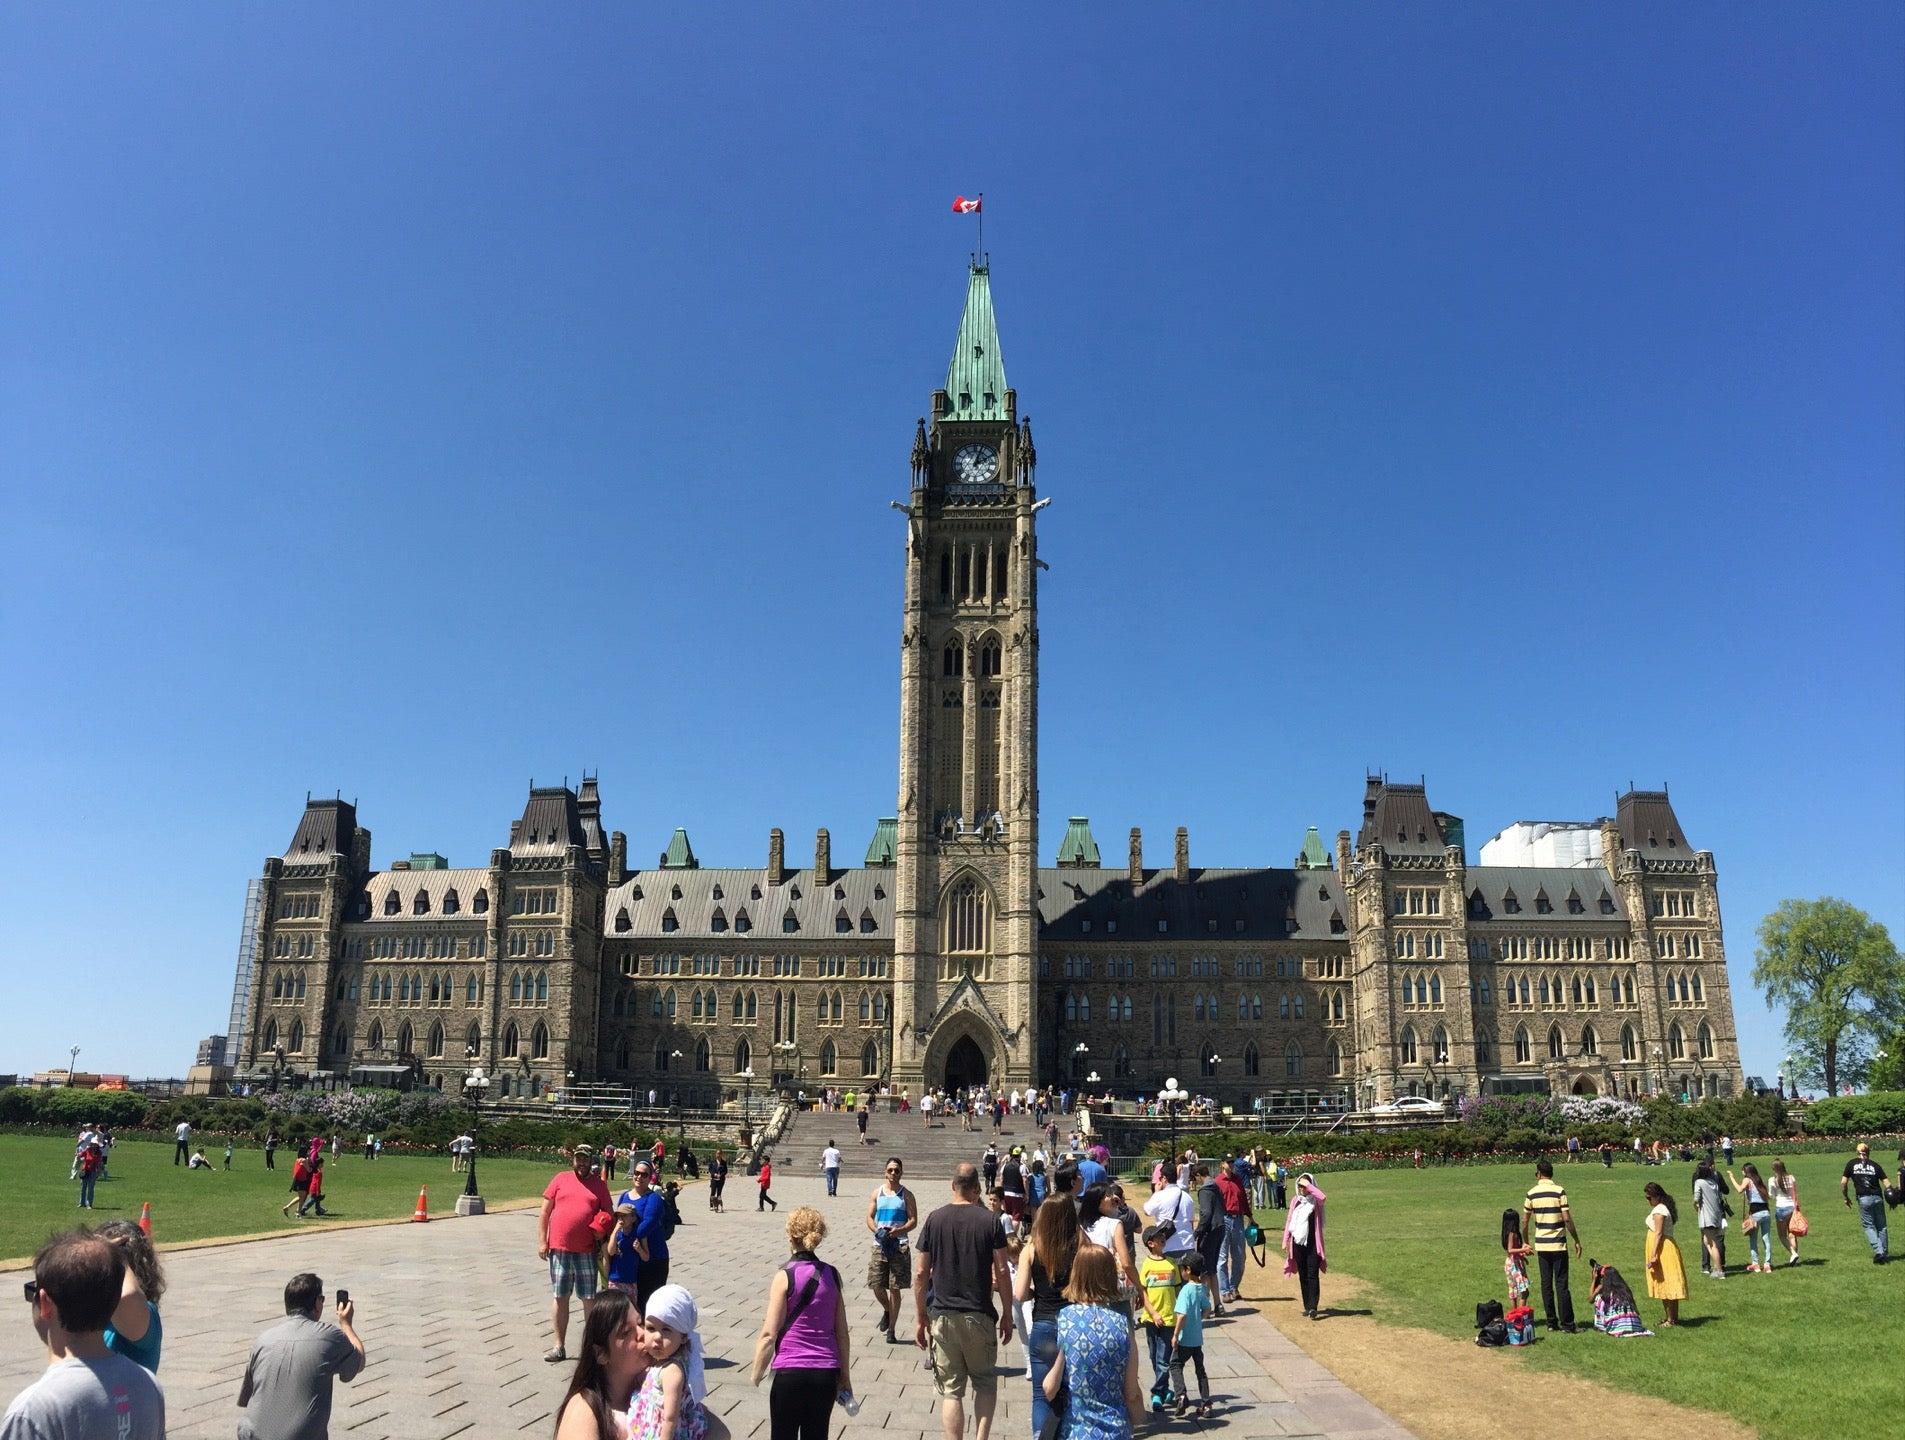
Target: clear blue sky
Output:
[{"x": 419, "y": 400}]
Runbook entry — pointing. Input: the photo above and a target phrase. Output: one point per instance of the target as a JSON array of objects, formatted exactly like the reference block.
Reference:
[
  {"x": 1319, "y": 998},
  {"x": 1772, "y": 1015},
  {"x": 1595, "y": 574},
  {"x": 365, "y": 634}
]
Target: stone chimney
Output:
[
  {"x": 618, "y": 858},
  {"x": 776, "y": 857},
  {"x": 1342, "y": 855},
  {"x": 1183, "y": 857},
  {"x": 360, "y": 851},
  {"x": 823, "y": 857},
  {"x": 1137, "y": 857}
]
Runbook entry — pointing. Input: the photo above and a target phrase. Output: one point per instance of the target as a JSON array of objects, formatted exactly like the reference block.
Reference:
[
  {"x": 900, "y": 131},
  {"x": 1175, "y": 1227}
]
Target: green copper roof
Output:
[
  {"x": 679, "y": 855},
  {"x": 1078, "y": 848},
  {"x": 884, "y": 849},
  {"x": 975, "y": 380},
  {"x": 1314, "y": 856},
  {"x": 427, "y": 860}
]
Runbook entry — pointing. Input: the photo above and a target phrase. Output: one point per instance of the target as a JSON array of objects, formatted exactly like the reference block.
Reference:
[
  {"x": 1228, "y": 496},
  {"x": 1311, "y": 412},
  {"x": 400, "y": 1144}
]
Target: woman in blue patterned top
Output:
[{"x": 1094, "y": 1380}]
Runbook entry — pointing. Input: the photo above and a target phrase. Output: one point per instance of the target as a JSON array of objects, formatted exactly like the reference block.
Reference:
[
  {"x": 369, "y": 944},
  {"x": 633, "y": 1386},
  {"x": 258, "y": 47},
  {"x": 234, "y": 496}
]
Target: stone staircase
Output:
[{"x": 930, "y": 1154}]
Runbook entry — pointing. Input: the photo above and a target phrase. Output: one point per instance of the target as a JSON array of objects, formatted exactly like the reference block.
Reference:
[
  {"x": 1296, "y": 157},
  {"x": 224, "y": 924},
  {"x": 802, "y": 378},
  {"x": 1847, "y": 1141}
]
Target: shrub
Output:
[{"x": 1881, "y": 1112}]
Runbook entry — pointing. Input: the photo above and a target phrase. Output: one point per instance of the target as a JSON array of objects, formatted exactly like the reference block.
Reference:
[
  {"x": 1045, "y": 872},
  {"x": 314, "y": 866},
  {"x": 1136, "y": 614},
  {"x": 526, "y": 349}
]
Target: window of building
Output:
[
  {"x": 1408, "y": 1045},
  {"x": 1523, "y": 1051}
]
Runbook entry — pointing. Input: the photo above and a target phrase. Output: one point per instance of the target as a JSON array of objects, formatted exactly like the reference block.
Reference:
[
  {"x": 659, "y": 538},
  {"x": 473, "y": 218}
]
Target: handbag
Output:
[{"x": 1799, "y": 1224}]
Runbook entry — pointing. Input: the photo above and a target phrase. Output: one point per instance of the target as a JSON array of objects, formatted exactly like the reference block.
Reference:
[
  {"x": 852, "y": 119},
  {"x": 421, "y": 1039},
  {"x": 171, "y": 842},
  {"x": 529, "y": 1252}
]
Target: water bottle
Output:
[{"x": 849, "y": 1402}]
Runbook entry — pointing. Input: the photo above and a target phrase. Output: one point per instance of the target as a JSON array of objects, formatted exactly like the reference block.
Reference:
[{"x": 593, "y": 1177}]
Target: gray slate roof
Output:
[
  {"x": 1494, "y": 882},
  {"x": 323, "y": 830},
  {"x": 1273, "y": 905},
  {"x": 434, "y": 884},
  {"x": 1398, "y": 818},
  {"x": 647, "y": 896},
  {"x": 1647, "y": 824}
]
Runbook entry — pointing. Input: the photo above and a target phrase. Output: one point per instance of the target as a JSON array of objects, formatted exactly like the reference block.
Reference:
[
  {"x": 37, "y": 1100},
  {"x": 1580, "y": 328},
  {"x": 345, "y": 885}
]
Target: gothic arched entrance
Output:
[
  {"x": 1585, "y": 1086},
  {"x": 965, "y": 1064}
]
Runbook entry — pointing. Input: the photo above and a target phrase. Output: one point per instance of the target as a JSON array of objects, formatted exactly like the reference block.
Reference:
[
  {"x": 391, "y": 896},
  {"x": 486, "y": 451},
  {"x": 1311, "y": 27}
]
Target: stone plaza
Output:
[{"x": 454, "y": 1317}]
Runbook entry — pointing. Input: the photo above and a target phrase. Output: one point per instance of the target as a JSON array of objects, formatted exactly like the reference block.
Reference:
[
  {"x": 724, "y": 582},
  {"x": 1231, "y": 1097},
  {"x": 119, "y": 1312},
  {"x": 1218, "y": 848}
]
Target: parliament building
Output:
[{"x": 1581, "y": 957}]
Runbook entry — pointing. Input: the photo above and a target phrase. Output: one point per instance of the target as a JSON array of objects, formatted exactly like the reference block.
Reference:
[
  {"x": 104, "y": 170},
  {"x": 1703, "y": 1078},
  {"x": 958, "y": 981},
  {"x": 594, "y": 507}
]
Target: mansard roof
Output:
[
  {"x": 1272, "y": 904},
  {"x": 1078, "y": 848},
  {"x": 433, "y": 885},
  {"x": 1496, "y": 883},
  {"x": 551, "y": 823},
  {"x": 884, "y": 847},
  {"x": 694, "y": 897},
  {"x": 1647, "y": 824},
  {"x": 326, "y": 828},
  {"x": 1398, "y": 818}
]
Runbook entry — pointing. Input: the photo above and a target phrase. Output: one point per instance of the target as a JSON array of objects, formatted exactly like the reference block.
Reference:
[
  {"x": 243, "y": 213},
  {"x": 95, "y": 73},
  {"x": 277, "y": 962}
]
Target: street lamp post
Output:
[
  {"x": 1171, "y": 1096},
  {"x": 72, "y": 1063},
  {"x": 746, "y": 1077},
  {"x": 474, "y": 1085},
  {"x": 681, "y": 1123},
  {"x": 1079, "y": 1052}
]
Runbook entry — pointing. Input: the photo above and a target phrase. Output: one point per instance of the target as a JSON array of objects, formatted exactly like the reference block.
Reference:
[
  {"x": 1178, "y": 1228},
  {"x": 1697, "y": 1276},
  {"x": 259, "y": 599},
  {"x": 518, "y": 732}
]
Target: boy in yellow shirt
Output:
[{"x": 1158, "y": 1275}]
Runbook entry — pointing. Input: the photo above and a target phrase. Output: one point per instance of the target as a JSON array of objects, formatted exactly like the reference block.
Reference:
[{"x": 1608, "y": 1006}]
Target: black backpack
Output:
[
  {"x": 671, "y": 1217},
  {"x": 1491, "y": 1329}
]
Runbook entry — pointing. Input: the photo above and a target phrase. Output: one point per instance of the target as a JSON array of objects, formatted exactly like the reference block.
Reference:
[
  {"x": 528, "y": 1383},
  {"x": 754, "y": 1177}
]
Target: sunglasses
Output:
[{"x": 32, "y": 1292}]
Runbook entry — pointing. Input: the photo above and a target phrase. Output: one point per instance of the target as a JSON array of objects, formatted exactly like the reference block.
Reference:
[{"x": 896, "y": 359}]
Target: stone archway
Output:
[
  {"x": 1586, "y": 1086},
  {"x": 965, "y": 1064}
]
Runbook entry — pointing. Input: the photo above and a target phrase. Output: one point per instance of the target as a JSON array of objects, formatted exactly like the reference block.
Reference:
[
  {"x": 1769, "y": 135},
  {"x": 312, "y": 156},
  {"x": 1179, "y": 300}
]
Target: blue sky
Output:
[{"x": 414, "y": 402}]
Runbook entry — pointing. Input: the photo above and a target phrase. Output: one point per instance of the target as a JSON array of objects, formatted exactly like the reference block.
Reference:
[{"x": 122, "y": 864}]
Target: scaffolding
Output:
[{"x": 241, "y": 979}]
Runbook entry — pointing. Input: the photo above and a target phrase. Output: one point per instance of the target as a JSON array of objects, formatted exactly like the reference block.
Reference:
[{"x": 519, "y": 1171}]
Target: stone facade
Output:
[{"x": 1388, "y": 967}]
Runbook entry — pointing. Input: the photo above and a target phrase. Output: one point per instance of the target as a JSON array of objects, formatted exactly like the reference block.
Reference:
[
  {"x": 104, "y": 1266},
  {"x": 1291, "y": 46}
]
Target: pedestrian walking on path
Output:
[
  {"x": 764, "y": 1177},
  {"x": 830, "y": 1167},
  {"x": 1096, "y": 1368},
  {"x": 961, "y": 1266},
  {"x": 1303, "y": 1254},
  {"x": 717, "y": 1180},
  {"x": 804, "y": 1339},
  {"x": 1867, "y": 1181},
  {"x": 892, "y": 1215},
  {"x": 1045, "y": 1269}
]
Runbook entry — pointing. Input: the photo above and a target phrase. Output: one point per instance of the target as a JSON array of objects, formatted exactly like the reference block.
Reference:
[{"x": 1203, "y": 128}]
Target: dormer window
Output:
[
  {"x": 622, "y": 922},
  {"x": 674, "y": 892},
  {"x": 480, "y": 905},
  {"x": 757, "y": 893},
  {"x": 790, "y": 922},
  {"x": 1575, "y": 907},
  {"x": 1337, "y": 927},
  {"x": 393, "y": 904},
  {"x": 718, "y": 922},
  {"x": 879, "y": 892},
  {"x": 741, "y": 923},
  {"x": 717, "y": 892},
  {"x": 450, "y": 903},
  {"x": 1543, "y": 905},
  {"x": 794, "y": 891},
  {"x": 839, "y": 892},
  {"x": 1607, "y": 903},
  {"x": 668, "y": 921},
  {"x": 421, "y": 905},
  {"x": 1322, "y": 892},
  {"x": 1210, "y": 925},
  {"x": 635, "y": 894},
  {"x": 1511, "y": 903},
  {"x": 868, "y": 925}
]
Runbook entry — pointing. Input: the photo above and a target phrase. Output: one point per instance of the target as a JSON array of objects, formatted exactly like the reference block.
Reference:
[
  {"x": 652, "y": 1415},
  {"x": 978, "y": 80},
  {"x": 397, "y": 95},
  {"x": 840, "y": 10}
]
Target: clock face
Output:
[{"x": 975, "y": 464}]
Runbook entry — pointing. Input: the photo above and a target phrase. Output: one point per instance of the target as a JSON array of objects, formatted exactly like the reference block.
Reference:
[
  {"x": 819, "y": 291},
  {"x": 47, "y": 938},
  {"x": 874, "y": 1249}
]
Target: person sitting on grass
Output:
[
  {"x": 1615, "y": 1312},
  {"x": 198, "y": 1161}
]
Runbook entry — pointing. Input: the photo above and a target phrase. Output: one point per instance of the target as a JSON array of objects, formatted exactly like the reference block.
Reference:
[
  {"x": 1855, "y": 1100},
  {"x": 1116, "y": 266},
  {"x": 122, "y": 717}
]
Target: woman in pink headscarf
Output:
[{"x": 1303, "y": 1241}]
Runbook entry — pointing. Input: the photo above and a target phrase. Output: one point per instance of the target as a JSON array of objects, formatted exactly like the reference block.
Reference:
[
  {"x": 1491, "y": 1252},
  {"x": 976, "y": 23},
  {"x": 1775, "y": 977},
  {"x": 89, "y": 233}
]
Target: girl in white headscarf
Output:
[{"x": 668, "y": 1406}]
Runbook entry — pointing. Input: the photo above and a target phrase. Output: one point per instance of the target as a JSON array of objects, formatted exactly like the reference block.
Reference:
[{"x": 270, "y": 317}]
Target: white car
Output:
[{"x": 1408, "y": 1105}]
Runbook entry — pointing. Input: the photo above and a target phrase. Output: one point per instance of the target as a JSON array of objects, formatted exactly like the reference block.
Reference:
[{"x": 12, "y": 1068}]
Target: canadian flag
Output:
[{"x": 963, "y": 206}]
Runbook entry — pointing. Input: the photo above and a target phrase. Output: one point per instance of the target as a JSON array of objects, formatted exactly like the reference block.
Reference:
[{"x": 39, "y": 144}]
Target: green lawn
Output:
[
  {"x": 1815, "y": 1350},
  {"x": 36, "y": 1198}
]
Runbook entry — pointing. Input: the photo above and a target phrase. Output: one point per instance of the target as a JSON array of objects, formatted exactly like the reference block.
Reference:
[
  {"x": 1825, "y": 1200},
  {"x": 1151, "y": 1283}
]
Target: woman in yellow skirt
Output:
[{"x": 1666, "y": 1276}]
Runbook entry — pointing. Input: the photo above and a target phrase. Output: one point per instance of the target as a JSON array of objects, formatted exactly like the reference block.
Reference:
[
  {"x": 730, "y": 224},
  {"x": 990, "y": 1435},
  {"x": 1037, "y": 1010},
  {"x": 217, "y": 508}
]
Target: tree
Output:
[
  {"x": 1888, "y": 1068},
  {"x": 1839, "y": 978}
]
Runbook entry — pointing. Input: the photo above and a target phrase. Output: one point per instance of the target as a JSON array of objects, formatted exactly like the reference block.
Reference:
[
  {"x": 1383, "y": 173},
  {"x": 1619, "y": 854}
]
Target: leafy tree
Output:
[
  {"x": 1888, "y": 1068},
  {"x": 1839, "y": 978}
]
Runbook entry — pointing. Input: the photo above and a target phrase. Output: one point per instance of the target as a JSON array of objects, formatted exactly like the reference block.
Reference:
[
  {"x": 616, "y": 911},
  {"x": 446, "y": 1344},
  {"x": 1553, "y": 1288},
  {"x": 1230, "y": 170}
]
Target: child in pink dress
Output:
[
  {"x": 1515, "y": 1260},
  {"x": 668, "y": 1406}
]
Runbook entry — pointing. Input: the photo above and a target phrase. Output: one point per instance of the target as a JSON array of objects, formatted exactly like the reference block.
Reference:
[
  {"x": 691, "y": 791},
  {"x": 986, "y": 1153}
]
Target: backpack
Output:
[
  {"x": 1487, "y": 1313},
  {"x": 1493, "y": 1335},
  {"x": 671, "y": 1211}
]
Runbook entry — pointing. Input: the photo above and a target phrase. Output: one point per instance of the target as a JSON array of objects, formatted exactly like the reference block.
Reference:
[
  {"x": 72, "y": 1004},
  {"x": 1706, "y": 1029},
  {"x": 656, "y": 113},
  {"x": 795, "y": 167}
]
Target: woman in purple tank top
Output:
[{"x": 804, "y": 1338}]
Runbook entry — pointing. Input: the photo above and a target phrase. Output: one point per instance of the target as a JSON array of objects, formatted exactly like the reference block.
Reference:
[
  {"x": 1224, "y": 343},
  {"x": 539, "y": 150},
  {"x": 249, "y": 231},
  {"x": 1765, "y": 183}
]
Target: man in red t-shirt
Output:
[
  {"x": 1236, "y": 1215},
  {"x": 576, "y": 1214}
]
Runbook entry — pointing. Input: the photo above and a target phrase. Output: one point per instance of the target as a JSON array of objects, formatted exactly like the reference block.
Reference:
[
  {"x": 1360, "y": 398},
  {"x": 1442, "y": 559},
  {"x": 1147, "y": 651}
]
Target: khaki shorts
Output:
[
  {"x": 965, "y": 1347},
  {"x": 891, "y": 1274}
]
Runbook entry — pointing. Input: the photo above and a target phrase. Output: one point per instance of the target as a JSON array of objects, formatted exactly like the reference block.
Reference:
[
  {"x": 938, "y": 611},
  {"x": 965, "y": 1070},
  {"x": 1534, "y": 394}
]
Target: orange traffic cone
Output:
[
  {"x": 423, "y": 1207},
  {"x": 145, "y": 1218}
]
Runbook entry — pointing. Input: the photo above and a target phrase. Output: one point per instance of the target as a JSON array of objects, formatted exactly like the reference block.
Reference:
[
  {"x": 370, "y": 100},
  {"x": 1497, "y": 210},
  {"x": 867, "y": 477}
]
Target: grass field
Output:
[
  {"x": 1813, "y": 1350},
  {"x": 36, "y": 1198}
]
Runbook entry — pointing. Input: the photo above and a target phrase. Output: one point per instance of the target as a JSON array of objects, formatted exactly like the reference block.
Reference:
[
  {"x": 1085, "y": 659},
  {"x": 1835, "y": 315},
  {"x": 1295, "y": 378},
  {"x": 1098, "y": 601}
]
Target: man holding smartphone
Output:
[{"x": 286, "y": 1393}]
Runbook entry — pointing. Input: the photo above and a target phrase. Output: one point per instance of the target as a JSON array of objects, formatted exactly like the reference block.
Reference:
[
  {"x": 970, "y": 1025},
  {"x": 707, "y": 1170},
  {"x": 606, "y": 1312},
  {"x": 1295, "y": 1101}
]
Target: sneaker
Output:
[{"x": 555, "y": 1355}]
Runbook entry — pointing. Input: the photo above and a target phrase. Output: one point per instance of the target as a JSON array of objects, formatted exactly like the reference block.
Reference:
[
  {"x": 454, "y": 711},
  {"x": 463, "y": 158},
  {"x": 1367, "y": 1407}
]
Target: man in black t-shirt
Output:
[
  {"x": 961, "y": 1266},
  {"x": 1867, "y": 1179}
]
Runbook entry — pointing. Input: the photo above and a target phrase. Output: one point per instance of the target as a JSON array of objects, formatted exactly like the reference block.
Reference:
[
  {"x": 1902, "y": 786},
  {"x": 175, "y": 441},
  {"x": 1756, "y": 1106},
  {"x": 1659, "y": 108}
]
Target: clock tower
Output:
[{"x": 966, "y": 878}]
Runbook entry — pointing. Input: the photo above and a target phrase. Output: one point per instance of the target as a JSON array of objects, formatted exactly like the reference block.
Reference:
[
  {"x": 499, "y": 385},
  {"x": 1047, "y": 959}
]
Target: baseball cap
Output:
[
  {"x": 627, "y": 1207},
  {"x": 1163, "y": 1230},
  {"x": 583, "y": 1150}
]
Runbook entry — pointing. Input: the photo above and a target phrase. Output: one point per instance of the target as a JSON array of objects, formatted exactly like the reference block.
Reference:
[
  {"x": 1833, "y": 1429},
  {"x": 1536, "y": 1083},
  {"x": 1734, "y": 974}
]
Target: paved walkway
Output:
[{"x": 454, "y": 1317}]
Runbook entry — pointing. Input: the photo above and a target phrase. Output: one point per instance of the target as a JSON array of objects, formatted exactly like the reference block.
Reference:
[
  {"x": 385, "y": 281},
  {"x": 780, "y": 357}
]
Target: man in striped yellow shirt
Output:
[{"x": 1546, "y": 1221}]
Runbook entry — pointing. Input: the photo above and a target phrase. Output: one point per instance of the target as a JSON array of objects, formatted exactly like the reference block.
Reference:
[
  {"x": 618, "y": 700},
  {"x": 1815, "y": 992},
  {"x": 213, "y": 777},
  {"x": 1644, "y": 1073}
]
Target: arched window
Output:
[
  {"x": 968, "y": 919},
  {"x": 1252, "y": 1060},
  {"x": 539, "y": 1042},
  {"x": 1630, "y": 1047},
  {"x": 704, "y": 1056},
  {"x": 1336, "y": 1005},
  {"x": 1577, "y": 989},
  {"x": 694, "y": 1010},
  {"x": 869, "y": 1059},
  {"x": 1590, "y": 1042},
  {"x": 1121, "y": 1060},
  {"x": 1293, "y": 1061},
  {"x": 1335, "y": 1058},
  {"x": 743, "y": 1056},
  {"x": 515, "y": 986},
  {"x": 1676, "y": 1042},
  {"x": 1408, "y": 1045},
  {"x": 300, "y": 984},
  {"x": 952, "y": 661},
  {"x": 668, "y": 1002},
  {"x": 436, "y": 1041},
  {"x": 829, "y": 1058},
  {"x": 341, "y": 1042},
  {"x": 866, "y": 1007},
  {"x": 1206, "y": 1061},
  {"x": 1435, "y": 989},
  {"x": 1440, "y": 1042},
  {"x": 297, "y": 1036},
  {"x": 473, "y": 1040},
  {"x": 403, "y": 990},
  {"x": 1524, "y": 1052},
  {"x": 405, "y": 1038},
  {"x": 1703, "y": 1037},
  {"x": 1699, "y": 997},
  {"x": 511, "y": 1040},
  {"x": 1544, "y": 990},
  {"x": 1555, "y": 1047},
  {"x": 271, "y": 1034},
  {"x": 542, "y": 988}
]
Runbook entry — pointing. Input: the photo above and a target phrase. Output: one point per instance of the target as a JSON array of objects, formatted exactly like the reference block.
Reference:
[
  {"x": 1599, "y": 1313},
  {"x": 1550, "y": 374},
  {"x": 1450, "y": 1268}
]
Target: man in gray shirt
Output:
[
  {"x": 87, "y": 1390},
  {"x": 287, "y": 1387}
]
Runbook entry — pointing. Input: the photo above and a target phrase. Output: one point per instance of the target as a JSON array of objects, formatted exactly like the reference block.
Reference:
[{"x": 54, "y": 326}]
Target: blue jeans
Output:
[
  {"x": 1041, "y": 1349},
  {"x": 1233, "y": 1252},
  {"x": 86, "y": 1183},
  {"x": 1759, "y": 1240},
  {"x": 1872, "y": 1219},
  {"x": 833, "y": 1181},
  {"x": 1158, "y": 1339}
]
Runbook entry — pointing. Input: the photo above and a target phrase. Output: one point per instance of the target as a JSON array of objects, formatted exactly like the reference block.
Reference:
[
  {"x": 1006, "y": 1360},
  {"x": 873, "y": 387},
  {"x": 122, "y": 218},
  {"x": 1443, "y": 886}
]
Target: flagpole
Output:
[{"x": 981, "y": 212}]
